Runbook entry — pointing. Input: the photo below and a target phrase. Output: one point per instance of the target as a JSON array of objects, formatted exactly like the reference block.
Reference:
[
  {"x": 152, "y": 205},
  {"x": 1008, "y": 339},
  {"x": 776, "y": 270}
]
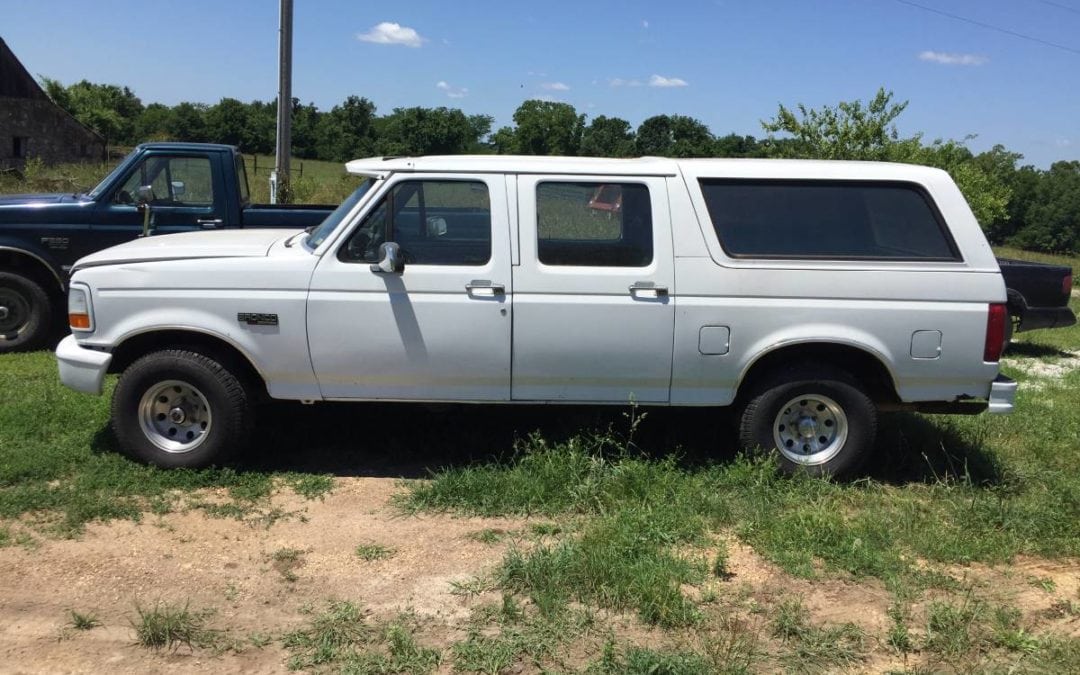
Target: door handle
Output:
[
  {"x": 209, "y": 223},
  {"x": 485, "y": 288},
  {"x": 647, "y": 289}
]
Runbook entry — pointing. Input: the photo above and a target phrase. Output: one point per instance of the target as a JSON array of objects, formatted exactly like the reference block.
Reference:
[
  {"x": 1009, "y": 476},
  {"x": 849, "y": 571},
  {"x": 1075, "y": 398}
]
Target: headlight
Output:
[{"x": 80, "y": 310}]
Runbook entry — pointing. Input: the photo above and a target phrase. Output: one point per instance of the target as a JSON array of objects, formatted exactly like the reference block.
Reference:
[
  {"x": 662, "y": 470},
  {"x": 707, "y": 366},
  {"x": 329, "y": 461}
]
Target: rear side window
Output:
[
  {"x": 840, "y": 220},
  {"x": 594, "y": 224}
]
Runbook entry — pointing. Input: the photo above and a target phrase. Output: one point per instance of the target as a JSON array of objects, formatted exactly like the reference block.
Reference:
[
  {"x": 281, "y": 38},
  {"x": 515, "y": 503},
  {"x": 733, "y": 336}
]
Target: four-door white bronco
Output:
[{"x": 809, "y": 294}]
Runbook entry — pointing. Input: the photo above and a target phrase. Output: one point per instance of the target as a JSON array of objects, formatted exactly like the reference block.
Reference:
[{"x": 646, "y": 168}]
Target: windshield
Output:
[
  {"x": 337, "y": 215},
  {"x": 93, "y": 194}
]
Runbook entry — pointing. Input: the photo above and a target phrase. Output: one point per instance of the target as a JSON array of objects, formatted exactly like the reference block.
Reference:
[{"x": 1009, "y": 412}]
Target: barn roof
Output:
[{"x": 15, "y": 81}]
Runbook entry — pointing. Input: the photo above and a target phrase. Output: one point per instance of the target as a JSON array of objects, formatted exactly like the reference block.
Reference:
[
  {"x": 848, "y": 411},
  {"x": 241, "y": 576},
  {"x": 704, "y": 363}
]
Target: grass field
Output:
[{"x": 640, "y": 523}]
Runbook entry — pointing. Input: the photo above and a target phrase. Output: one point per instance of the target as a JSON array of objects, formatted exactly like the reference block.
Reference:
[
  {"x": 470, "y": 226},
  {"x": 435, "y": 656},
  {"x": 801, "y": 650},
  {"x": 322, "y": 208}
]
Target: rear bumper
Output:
[
  {"x": 1002, "y": 395},
  {"x": 1034, "y": 318},
  {"x": 81, "y": 369}
]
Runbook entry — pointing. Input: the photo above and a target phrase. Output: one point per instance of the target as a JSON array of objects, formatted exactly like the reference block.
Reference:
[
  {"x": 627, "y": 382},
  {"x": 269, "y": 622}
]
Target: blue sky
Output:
[{"x": 728, "y": 63}]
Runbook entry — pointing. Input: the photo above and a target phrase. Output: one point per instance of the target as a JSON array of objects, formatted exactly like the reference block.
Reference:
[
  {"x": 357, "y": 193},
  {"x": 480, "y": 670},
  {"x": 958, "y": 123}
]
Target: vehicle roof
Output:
[
  {"x": 176, "y": 145},
  {"x": 641, "y": 166}
]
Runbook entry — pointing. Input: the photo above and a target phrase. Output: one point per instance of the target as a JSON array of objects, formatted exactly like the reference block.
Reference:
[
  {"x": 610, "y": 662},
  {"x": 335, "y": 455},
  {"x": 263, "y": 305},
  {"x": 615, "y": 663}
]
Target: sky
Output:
[{"x": 725, "y": 62}]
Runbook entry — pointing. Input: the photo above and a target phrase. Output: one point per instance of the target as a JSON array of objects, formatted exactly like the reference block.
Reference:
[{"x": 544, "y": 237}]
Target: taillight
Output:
[
  {"x": 1066, "y": 285},
  {"x": 995, "y": 331}
]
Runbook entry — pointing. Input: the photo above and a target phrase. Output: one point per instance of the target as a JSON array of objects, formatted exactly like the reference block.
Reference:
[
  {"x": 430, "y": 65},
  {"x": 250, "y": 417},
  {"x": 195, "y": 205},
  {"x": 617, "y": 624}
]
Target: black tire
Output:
[
  {"x": 827, "y": 405},
  {"x": 25, "y": 313},
  {"x": 215, "y": 415}
]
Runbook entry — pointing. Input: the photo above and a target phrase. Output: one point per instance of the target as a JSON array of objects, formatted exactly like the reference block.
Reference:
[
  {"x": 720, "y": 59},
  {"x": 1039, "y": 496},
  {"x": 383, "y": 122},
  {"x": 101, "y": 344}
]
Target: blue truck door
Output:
[{"x": 188, "y": 195}]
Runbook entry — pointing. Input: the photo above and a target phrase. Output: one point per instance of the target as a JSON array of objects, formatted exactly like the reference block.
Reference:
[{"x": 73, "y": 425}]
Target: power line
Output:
[
  {"x": 1059, "y": 5},
  {"x": 998, "y": 29}
]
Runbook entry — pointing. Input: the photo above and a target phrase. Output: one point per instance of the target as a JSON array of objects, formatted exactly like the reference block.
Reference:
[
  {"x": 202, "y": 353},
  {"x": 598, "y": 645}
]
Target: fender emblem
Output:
[{"x": 253, "y": 319}]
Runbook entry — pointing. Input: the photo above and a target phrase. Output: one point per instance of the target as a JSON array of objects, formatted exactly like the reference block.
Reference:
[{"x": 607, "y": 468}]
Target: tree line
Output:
[{"x": 1015, "y": 203}]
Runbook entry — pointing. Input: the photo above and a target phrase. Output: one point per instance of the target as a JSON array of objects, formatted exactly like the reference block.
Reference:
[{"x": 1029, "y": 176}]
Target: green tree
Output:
[
  {"x": 226, "y": 122},
  {"x": 734, "y": 145},
  {"x": 849, "y": 130},
  {"x": 347, "y": 131},
  {"x": 608, "y": 137},
  {"x": 427, "y": 131},
  {"x": 1053, "y": 219},
  {"x": 674, "y": 136},
  {"x": 152, "y": 123},
  {"x": 547, "y": 128},
  {"x": 187, "y": 122},
  {"x": 108, "y": 109},
  {"x": 504, "y": 142}
]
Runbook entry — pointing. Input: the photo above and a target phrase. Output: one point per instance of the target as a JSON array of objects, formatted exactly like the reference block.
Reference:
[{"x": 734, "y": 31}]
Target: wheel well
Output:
[
  {"x": 33, "y": 269},
  {"x": 216, "y": 348},
  {"x": 866, "y": 368}
]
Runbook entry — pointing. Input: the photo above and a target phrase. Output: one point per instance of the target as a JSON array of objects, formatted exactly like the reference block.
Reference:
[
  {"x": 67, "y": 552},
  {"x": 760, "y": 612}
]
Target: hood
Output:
[
  {"x": 31, "y": 200},
  {"x": 188, "y": 246}
]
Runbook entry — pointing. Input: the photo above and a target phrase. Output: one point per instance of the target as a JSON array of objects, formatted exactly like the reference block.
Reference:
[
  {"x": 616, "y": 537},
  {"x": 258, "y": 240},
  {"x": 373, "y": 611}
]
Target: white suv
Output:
[{"x": 809, "y": 294}]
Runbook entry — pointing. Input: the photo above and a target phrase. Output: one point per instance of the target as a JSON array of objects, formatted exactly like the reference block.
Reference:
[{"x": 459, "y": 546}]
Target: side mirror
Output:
[
  {"x": 146, "y": 194},
  {"x": 390, "y": 260},
  {"x": 178, "y": 189}
]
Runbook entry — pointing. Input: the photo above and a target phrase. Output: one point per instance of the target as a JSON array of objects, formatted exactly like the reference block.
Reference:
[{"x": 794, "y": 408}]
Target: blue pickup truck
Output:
[{"x": 159, "y": 188}]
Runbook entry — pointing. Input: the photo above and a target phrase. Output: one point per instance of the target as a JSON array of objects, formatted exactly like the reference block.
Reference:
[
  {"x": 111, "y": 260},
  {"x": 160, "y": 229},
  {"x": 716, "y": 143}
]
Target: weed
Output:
[
  {"x": 953, "y": 628},
  {"x": 471, "y": 587},
  {"x": 545, "y": 529},
  {"x": 341, "y": 637},
  {"x": 81, "y": 621},
  {"x": 813, "y": 646},
  {"x": 372, "y": 552},
  {"x": 1045, "y": 583},
  {"x": 310, "y": 486},
  {"x": 286, "y": 561},
  {"x": 721, "y": 558},
  {"x": 488, "y": 535},
  {"x": 168, "y": 626},
  {"x": 899, "y": 638}
]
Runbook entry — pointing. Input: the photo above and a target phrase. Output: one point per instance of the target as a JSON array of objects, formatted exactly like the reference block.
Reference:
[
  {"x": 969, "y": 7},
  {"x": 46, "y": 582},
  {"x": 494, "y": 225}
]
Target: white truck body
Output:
[{"x": 683, "y": 325}]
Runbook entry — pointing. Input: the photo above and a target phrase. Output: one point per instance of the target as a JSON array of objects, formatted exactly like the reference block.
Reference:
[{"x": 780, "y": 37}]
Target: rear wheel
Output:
[
  {"x": 178, "y": 408},
  {"x": 25, "y": 312},
  {"x": 815, "y": 420}
]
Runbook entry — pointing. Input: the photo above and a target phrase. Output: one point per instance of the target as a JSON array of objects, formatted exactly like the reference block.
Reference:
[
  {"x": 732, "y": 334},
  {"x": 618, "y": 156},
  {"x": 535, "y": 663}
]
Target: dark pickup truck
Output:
[
  {"x": 159, "y": 188},
  {"x": 1038, "y": 295}
]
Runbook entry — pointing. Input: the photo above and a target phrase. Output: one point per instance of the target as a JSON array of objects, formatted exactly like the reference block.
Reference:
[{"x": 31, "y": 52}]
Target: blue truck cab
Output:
[{"x": 160, "y": 188}]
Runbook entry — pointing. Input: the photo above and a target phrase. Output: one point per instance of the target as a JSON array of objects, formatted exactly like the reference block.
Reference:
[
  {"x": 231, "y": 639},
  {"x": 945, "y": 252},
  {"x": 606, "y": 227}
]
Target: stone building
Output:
[{"x": 31, "y": 125}]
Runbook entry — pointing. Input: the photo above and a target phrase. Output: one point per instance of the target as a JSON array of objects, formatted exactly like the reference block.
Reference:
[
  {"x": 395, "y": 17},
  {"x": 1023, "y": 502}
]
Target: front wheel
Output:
[
  {"x": 25, "y": 313},
  {"x": 817, "y": 421},
  {"x": 178, "y": 408}
]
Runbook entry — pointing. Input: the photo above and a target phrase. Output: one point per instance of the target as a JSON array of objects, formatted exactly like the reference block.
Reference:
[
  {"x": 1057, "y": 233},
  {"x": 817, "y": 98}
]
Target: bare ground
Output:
[{"x": 227, "y": 568}]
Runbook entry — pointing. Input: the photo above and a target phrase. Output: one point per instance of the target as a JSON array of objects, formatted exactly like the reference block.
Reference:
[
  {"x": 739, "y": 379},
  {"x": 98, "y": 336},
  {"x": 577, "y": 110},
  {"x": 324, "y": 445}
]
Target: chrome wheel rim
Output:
[
  {"x": 810, "y": 429},
  {"x": 174, "y": 416}
]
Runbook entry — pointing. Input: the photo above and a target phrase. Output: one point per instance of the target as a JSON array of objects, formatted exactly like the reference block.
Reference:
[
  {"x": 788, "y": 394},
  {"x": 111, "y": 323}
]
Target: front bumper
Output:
[
  {"x": 1002, "y": 395},
  {"x": 81, "y": 369}
]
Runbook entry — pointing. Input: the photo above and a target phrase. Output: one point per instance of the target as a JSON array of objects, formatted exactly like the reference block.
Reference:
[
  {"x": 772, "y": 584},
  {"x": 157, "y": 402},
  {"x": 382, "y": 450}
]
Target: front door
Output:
[
  {"x": 440, "y": 328},
  {"x": 593, "y": 296},
  {"x": 185, "y": 197}
]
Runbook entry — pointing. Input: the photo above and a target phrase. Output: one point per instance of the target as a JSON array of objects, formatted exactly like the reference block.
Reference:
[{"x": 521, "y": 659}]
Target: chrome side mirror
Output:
[
  {"x": 146, "y": 194},
  {"x": 390, "y": 260}
]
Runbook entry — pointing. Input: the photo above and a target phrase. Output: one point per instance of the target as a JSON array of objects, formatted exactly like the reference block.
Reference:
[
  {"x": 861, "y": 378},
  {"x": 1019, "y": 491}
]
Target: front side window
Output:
[
  {"x": 175, "y": 181},
  {"x": 435, "y": 222},
  {"x": 594, "y": 224},
  {"x": 838, "y": 220}
]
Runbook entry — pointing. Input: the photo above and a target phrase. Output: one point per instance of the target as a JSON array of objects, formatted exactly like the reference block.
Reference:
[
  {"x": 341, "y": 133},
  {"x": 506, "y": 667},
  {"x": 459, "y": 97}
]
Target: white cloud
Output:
[
  {"x": 620, "y": 82},
  {"x": 390, "y": 33},
  {"x": 1062, "y": 142},
  {"x": 661, "y": 81},
  {"x": 451, "y": 91},
  {"x": 645, "y": 23},
  {"x": 949, "y": 59},
  {"x": 555, "y": 86}
]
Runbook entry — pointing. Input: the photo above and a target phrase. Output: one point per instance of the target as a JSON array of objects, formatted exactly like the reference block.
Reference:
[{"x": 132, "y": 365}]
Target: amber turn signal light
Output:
[{"x": 80, "y": 321}]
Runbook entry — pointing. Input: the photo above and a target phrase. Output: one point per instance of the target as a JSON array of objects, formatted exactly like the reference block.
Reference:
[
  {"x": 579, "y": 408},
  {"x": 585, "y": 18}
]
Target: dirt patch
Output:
[
  {"x": 230, "y": 568},
  {"x": 1051, "y": 370}
]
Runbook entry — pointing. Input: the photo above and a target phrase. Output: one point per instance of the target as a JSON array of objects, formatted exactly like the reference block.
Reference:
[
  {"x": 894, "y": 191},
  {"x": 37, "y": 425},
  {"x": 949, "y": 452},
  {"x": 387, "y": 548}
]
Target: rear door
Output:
[
  {"x": 593, "y": 306},
  {"x": 440, "y": 329}
]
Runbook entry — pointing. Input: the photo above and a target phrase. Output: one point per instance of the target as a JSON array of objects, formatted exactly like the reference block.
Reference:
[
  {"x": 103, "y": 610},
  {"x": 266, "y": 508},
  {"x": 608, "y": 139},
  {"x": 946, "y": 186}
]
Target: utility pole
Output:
[{"x": 279, "y": 179}]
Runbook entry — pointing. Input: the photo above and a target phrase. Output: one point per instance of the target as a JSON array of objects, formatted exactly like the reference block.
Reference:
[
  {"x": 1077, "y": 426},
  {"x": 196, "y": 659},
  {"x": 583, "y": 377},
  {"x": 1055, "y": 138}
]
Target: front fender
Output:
[{"x": 36, "y": 253}]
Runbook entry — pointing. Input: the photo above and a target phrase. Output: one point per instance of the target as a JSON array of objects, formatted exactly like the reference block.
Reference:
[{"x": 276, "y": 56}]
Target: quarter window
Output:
[
  {"x": 435, "y": 222},
  {"x": 840, "y": 220},
  {"x": 594, "y": 224}
]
